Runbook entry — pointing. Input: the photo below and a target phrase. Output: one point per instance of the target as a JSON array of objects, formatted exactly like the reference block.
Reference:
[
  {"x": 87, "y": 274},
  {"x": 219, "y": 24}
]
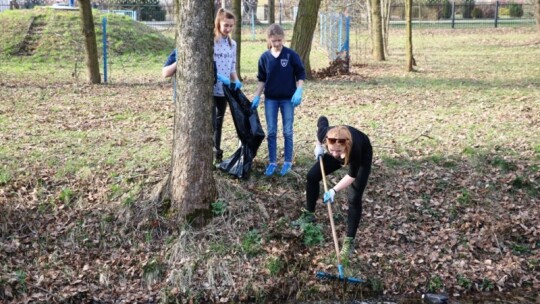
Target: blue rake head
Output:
[{"x": 328, "y": 276}]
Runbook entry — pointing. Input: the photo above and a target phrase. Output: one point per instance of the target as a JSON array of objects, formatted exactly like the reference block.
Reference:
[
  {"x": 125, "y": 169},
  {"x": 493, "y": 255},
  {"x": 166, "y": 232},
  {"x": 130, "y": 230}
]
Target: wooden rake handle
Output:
[{"x": 330, "y": 214}]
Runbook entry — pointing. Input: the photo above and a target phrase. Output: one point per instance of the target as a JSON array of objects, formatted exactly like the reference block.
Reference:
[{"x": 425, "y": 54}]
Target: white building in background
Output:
[{"x": 4, "y": 5}]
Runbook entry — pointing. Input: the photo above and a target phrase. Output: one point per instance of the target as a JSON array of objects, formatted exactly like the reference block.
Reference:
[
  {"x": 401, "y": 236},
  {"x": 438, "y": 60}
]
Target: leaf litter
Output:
[{"x": 76, "y": 225}]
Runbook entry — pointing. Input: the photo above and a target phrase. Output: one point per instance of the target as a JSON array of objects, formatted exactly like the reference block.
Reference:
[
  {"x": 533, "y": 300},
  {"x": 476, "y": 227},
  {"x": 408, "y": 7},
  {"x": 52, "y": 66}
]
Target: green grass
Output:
[{"x": 251, "y": 242}]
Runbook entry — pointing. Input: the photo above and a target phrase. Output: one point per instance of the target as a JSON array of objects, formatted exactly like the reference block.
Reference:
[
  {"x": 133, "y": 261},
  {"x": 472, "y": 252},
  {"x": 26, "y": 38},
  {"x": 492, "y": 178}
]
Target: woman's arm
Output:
[{"x": 344, "y": 183}]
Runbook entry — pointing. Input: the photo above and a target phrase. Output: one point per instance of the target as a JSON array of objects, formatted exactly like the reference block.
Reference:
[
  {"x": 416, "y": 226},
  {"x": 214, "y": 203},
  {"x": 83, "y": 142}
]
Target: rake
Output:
[{"x": 324, "y": 275}]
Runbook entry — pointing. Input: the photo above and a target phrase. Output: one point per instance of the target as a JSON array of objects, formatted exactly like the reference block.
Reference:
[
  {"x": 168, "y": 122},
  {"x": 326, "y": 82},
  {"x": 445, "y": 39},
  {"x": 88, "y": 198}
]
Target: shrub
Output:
[
  {"x": 515, "y": 10},
  {"x": 468, "y": 6},
  {"x": 504, "y": 11},
  {"x": 489, "y": 12},
  {"x": 477, "y": 13},
  {"x": 446, "y": 10}
]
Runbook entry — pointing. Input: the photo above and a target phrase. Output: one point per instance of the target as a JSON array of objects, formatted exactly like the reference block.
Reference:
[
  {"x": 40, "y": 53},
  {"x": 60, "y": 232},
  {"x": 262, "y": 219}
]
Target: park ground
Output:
[{"x": 451, "y": 205}]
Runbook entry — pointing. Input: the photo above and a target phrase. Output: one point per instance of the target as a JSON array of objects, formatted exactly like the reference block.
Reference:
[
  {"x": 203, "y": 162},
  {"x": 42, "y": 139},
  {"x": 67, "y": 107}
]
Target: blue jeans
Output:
[{"x": 287, "y": 116}]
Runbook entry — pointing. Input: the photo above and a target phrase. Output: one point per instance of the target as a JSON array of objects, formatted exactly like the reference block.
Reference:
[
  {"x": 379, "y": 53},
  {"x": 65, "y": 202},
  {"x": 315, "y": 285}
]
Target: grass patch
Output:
[
  {"x": 5, "y": 176},
  {"x": 66, "y": 196},
  {"x": 274, "y": 265},
  {"x": 504, "y": 165},
  {"x": 312, "y": 234},
  {"x": 219, "y": 208},
  {"x": 251, "y": 242}
]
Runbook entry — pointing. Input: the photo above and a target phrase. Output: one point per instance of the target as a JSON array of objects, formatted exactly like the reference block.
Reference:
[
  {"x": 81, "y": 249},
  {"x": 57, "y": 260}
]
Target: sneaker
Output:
[
  {"x": 286, "y": 168},
  {"x": 305, "y": 217},
  {"x": 270, "y": 169},
  {"x": 346, "y": 250}
]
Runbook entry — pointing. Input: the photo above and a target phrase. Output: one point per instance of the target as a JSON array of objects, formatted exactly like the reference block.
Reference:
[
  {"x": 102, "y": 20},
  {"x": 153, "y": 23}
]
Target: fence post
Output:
[
  {"x": 453, "y": 13},
  {"x": 347, "y": 39},
  {"x": 104, "y": 36},
  {"x": 252, "y": 23},
  {"x": 496, "y": 12},
  {"x": 340, "y": 28}
]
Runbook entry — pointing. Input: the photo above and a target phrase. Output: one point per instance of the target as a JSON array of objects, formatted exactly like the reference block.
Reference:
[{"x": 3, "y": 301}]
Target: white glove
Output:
[{"x": 319, "y": 151}]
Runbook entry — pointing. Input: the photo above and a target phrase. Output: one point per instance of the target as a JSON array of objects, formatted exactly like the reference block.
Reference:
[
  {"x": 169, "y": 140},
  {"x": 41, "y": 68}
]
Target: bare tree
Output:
[
  {"x": 385, "y": 14},
  {"x": 237, "y": 34},
  {"x": 408, "y": 29},
  {"x": 271, "y": 11},
  {"x": 250, "y": 11},
  {"x": 537, "y": 13},
  {"x": 192, "y": 185},
  {"x": 306, "y": 21},
  {"x": 90, "y": 44},
  {"x": 376, "y": 30}
]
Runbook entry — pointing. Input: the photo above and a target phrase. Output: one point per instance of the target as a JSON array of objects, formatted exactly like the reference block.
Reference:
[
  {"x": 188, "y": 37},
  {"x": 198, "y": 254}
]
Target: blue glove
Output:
[
  {"x": 255, "y": 102},
  {"x": 226, "y": 81},
  {"x": 237, "y": 84},
  {"x": 329, "y": 196},
  {"x": 319, "y": 151},
  {"x": 297, "y": 97}
]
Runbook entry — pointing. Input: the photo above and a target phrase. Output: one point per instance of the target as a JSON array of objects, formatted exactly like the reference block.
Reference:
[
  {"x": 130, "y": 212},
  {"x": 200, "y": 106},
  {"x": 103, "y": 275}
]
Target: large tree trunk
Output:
[
  {"x": 90, "y": 44},
  {"x": 385, "y": 14},
  {"x": 408, "y": 30},
  {"x": 306, "y": 21},
  {"x": 192, "y": 185},
  {"x": 271, "y": 11},
  {"x": 376, "y": 30},
  {"x": 237, "y": 34}
]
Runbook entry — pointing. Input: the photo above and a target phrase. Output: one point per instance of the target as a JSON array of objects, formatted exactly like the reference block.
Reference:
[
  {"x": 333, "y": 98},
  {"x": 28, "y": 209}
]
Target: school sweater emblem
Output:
[{"x": 284, "y": 62}]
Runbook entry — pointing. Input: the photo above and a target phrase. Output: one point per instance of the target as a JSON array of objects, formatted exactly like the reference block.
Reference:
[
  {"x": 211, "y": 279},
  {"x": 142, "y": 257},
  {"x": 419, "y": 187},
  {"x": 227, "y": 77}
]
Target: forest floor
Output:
[{"x": 451, "y": 205}]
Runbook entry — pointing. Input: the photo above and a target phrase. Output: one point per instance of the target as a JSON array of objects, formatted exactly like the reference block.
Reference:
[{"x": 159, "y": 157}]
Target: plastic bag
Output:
[{"x": 249, "y": 131}]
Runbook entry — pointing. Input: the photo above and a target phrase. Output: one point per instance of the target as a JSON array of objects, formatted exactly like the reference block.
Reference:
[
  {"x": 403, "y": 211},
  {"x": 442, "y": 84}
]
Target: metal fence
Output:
[
  {"x": 468, "y": 14},
  {"x": 334, "y": 34}
]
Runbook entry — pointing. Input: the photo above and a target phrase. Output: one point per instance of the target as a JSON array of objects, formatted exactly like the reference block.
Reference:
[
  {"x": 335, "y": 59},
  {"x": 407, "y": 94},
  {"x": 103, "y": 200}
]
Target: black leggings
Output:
[
  {"x": 218, "y": 112},
  {"x": 355, "y": 190}
]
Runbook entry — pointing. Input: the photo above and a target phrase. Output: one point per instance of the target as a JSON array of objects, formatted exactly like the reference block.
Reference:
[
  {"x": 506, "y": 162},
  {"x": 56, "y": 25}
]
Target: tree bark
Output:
[
  {"x": 192, "y": 184},
  {"x": 376, "y": 30},
  {"x": 385, "y": 14},
  {"x": 90, "y": 44},
  {"x": 271, "y": 11},
  {"x": 537, "y": 13},
  {"x": 250, "y": 10},
  {"x": 237, "y": 34},
  {"x": 408, "y": 31},
  {"x": 304, "y": 27}
]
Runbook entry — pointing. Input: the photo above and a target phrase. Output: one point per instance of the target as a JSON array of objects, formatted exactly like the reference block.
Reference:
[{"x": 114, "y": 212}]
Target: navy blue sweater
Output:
[{"x": 280, "y": 74}]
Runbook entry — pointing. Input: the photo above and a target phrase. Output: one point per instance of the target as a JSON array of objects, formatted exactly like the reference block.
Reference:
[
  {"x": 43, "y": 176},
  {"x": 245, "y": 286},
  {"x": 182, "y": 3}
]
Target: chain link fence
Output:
[
  {"x": 447, "y": 14},
  {"x": 432, "y": 14},
  {"x": 342, "y": 24}
]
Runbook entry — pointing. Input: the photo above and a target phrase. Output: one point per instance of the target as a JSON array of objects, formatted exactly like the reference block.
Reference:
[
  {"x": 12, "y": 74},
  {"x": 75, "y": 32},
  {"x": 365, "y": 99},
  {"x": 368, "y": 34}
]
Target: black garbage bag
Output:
[{"x": 249, "y": 131}]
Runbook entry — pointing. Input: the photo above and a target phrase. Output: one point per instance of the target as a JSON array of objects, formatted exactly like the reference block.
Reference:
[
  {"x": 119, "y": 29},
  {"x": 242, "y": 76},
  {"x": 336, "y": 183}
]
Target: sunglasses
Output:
[{"x": 332, "y": 141}]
